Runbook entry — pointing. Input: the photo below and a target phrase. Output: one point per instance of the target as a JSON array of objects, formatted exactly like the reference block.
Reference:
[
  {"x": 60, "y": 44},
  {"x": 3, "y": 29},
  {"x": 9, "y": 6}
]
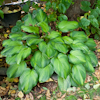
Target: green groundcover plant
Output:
[
  {"x": 90, "y": 22},
  {"x": 34, "y": 52}
]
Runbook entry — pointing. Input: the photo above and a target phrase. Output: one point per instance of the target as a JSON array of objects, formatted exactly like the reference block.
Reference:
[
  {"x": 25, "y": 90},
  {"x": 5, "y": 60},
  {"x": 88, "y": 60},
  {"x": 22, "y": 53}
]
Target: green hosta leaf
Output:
[
  {"x": 9, "y": 51},
  {"x": 61, "y": 47},
  {"x": 79, "y": 35},
  {"x": 42, "y": 46},
  {"x": 6, "y": 42},
  {"x": 58, "y": 40},
  {"x": 44, "y": 26},
  {"x": 11, "y": 60},
  {"x": 41, "y": 16},
  {"x": 30, "y": 29},
  {"x": 62, "y": 17},
  {"x": 95, "y": 12},
  {"x": 93, "y": 58},
  {"x": 1, "y": 14},
  {"x": 64, "y": 84},
  {"x": 17, "y": 36},
  {"x": 54, "y": 34},
  {"x": 11, "y": 43},
  {"x": 85, "y": 5},
  {"x": 76, "y": 57},
  {"x": 33, "y": 41},
  {"x": 16, "y": 29},
  {"x": 73, "y": 83},
  {"x": 50, "y": 51},
  {"x": 79, "y": 46},
  {"x": 91, "y": 44},
  {"x": 28, "y": 80},
  {"x": 30, "y": 36},
  {"x": 93, "y": 21},
  {"x": 78, "y": 74},
  {"x": 88, "y": 65},
  {"x": 67, "y": 40},
  {"x": 61, "y": 65},
  {"x": 39, "y": 59},
  {"x": 66, "y": 26},
  {"x": 29, "y": 20},
  {"x": 24, "y": 52},
  {"x": 16, "y": 70},
  {"x": 44, "y": 73},
  {"x": 85, "y": 22},
  {"x": 62, "y": 8}
]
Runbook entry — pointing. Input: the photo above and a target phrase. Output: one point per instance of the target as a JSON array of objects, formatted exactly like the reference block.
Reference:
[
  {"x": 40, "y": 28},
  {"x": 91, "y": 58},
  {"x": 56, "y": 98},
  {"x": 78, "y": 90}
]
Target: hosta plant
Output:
[
  {"x": 90, "y": 22},
  {"x": 37, "y": 51}
]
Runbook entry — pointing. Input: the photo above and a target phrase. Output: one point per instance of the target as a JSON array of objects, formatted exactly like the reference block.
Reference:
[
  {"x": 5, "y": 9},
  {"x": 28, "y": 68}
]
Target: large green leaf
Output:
[
  {"x": 85, "y": 5},
  {"x": 93, "y": 58},
  {"x": 30, "y": 36},
  {"x": 45, "y": 27},
  {"x": 15, "y": 70},
  {"x": 88, "y": 65},
  {"x": 76, "y": 57},
  {"x": 78, "y": 74},
  {"x": 28, "y": 80},
  {"x": 17, "y": 36},
  {"x": 11, "y": 60},
  {"x": 79, "y": 35},
  {"x": 94, "y": 21},
  {"x": 80, "y": 46},
  {"x": 66, "y": 26},
  {"x": 54, "y": 34},
  {"x": 91, "y": 44},
  {"x": 58, "y": 40},
  {"x": 33, "y": 41},
  {"x": 39, "y": 59},
  {"x": 64, "y": 84},
  {"x": 9, "y": 51},
  {"x": 67, "y": 40},
  {"x": 44, "y": 73},
  {"x": 61, "y": 65},
  {"x": 29, "y": 20},
  {"x": 61, "y": 47},
  {"x": 62, "y": 17},
  {"x": 11, "y": 43},
  {"x": 50, "y": 51},
  {"x": 41, "y": 16},
  {"x": 85, "y": 22},
  {"x": 30, "y": 29},
  {"x": 24, "y": 52},
  {"x": 73, "y": 83},
  {"x": 42, "y": 46},
  {"x": 95, "y": 12},
  {"x": 62, "y": 8}
]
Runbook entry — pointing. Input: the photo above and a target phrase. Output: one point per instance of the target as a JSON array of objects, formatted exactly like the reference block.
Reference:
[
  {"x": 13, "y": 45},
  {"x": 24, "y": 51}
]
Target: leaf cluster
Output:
[
  {"x": 90, "y": 22},
  {"x": 48, "y": 51}
]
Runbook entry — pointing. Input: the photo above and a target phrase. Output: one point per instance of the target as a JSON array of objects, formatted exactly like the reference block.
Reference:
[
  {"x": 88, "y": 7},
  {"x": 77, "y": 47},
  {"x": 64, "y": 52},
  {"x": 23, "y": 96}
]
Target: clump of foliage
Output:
[
  {"x": 35, "y": 52},
  {"x": 90, "y": 22},
  {"x": 56, "y": 9}
]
